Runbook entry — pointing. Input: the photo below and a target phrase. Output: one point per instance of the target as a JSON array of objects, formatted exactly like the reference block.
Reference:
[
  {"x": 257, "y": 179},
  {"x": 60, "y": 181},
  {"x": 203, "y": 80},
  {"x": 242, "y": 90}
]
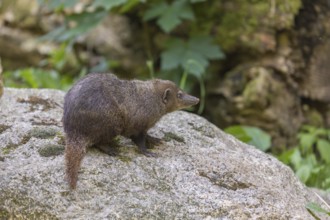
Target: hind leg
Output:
[{"x": 75, "y": 151}]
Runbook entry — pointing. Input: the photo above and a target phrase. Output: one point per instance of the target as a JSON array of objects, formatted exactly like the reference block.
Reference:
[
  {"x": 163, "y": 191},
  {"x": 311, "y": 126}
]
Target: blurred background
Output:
[{"x": 260, "y": 67}]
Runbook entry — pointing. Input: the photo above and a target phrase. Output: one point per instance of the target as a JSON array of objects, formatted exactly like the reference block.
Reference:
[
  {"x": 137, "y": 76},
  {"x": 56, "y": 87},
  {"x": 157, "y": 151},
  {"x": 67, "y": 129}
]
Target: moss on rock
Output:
[
  {"x": 51, "y": 150},
  {"x": 253, "y": 24},
  {"x": 171, "y": 136},
  {"x": 43, "y": 133}
]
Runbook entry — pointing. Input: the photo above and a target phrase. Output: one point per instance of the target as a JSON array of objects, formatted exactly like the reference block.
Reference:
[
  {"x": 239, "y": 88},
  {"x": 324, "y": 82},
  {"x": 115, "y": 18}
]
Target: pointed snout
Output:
[{"x": 189, "y": 100}]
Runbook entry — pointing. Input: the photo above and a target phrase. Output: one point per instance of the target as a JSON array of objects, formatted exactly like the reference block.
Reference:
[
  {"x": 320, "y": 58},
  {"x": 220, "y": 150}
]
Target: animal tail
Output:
[{"x": 74, "y": 154}]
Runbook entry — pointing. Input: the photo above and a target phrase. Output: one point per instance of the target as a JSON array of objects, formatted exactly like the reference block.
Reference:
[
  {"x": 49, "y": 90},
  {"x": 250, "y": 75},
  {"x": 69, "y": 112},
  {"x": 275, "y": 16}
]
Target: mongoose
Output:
[{"x": 101, "y": 106}]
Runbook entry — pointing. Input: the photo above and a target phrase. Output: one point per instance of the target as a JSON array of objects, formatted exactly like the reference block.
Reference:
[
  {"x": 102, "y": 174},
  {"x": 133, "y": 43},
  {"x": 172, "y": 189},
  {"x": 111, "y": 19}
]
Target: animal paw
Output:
[{"x": 152, "y": 141}]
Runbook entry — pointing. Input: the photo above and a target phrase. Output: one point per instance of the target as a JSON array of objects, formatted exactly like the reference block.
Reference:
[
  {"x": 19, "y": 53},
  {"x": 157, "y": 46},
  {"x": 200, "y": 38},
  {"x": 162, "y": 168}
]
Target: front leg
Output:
[
  {"x": 140, "y": 141},
  {"x": 152, "y": 141}
]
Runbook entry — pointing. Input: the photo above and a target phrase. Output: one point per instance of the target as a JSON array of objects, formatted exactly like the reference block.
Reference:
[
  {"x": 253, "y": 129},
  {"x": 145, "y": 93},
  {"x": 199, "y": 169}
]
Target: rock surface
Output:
[
  {"x": 1, "y": 80},
  {"x": 200, "y": 173}
]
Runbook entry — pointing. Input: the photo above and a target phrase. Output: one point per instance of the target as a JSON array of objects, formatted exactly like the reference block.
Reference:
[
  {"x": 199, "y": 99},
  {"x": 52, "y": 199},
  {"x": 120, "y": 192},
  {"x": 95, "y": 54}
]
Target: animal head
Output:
[{"x": 172, "y": 96}]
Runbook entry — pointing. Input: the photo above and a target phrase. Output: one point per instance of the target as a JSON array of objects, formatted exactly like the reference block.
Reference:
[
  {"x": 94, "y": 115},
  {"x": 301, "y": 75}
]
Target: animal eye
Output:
[{"x": 179, "y": 95}]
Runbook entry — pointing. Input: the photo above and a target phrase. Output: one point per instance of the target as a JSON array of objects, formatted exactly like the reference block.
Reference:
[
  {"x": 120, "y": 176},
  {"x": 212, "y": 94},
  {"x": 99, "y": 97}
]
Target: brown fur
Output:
[
  {"x": 74, "y": 153},
  {"x": 101, "y": 106}
]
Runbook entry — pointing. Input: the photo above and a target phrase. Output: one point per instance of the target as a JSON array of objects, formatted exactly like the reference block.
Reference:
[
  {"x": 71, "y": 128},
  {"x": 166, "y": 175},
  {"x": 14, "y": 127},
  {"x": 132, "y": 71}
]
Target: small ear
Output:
[{"x": 166, "y": 95}]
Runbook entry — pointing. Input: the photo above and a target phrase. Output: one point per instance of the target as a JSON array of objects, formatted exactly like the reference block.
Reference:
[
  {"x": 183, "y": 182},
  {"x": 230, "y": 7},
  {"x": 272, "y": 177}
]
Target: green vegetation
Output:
[
  {"x": 310, "y": 159},
  {"x": 251, "y": 135},
  {"x": 36, "y": 78}
]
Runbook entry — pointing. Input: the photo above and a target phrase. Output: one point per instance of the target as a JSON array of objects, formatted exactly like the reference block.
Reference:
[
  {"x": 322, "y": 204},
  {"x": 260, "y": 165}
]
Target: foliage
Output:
[
  {"x": 41, "y": 77},
  {"x": 189, "y": 53},
  {"x": 169, "y": 15},
  {"x": 178, "y": 53},
  {"x": 251, "y": 135},
  {"x": 36, "y": 78},
  {"x": 311, "y": 158},
  {"x": 191, "y": 56},
  {"x": 75, "y": 25}
]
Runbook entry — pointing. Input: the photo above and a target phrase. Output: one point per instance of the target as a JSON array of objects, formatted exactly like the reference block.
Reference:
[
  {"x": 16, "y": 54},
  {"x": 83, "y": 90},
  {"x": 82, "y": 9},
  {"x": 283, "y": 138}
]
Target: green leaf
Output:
[
  {"x": 306, "y": 141},
  {"x": 304, "y": 172},
  {"x": 308, "y": 128},
  {"x": 321, "y": 132},
  {"x": 58, "y": 4},
  {"x": 238, "y": 132},
  {"x": 296, "y": 158},
  {"x": 194, "y": 67},
  {"x": 204, "y": 45},
  {"x": 54, "y": 34},
  {"x": 170, "y": 16},
  {"x": 168, "y": 22},
  {"x": 194, "y": 62},
  {"x": 260, "y": 139},
  {"x": 58, "y": 56},
  {"x": 87, "y": 20},
  {"x": 251, "y": 135},
  {"x": 183, "y": 10},
  {"x": 129, "y": 5},
  {"x": 192, "y": 56},
  {"x": 171, "y": 58},
  {"x": 108, "y": 4},
  {"x": 317, "y": 169},
  {"x": 30, "y": 78},
  {"x": 83, "y": 23},
  {"x": 155, "y": 11},
  {"x": 285, "y": 156},
  {"x": 316, "y": 208},
  {"x": 326, "y": 183},
  {"x": 311, "y": 160},
  {"x": 323, "y": 147}
]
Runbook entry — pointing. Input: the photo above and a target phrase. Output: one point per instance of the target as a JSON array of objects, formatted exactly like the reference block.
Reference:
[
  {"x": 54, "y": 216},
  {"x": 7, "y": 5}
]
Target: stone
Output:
[
  {"x": 200, "y": 172},
  {"x": 316, "y": 84},
  {"x": 255, "y": 95}
]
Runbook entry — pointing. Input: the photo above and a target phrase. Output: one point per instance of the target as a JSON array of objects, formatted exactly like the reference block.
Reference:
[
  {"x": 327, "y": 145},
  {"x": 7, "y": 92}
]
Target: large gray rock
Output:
[{"x": 201, "y": 172}]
